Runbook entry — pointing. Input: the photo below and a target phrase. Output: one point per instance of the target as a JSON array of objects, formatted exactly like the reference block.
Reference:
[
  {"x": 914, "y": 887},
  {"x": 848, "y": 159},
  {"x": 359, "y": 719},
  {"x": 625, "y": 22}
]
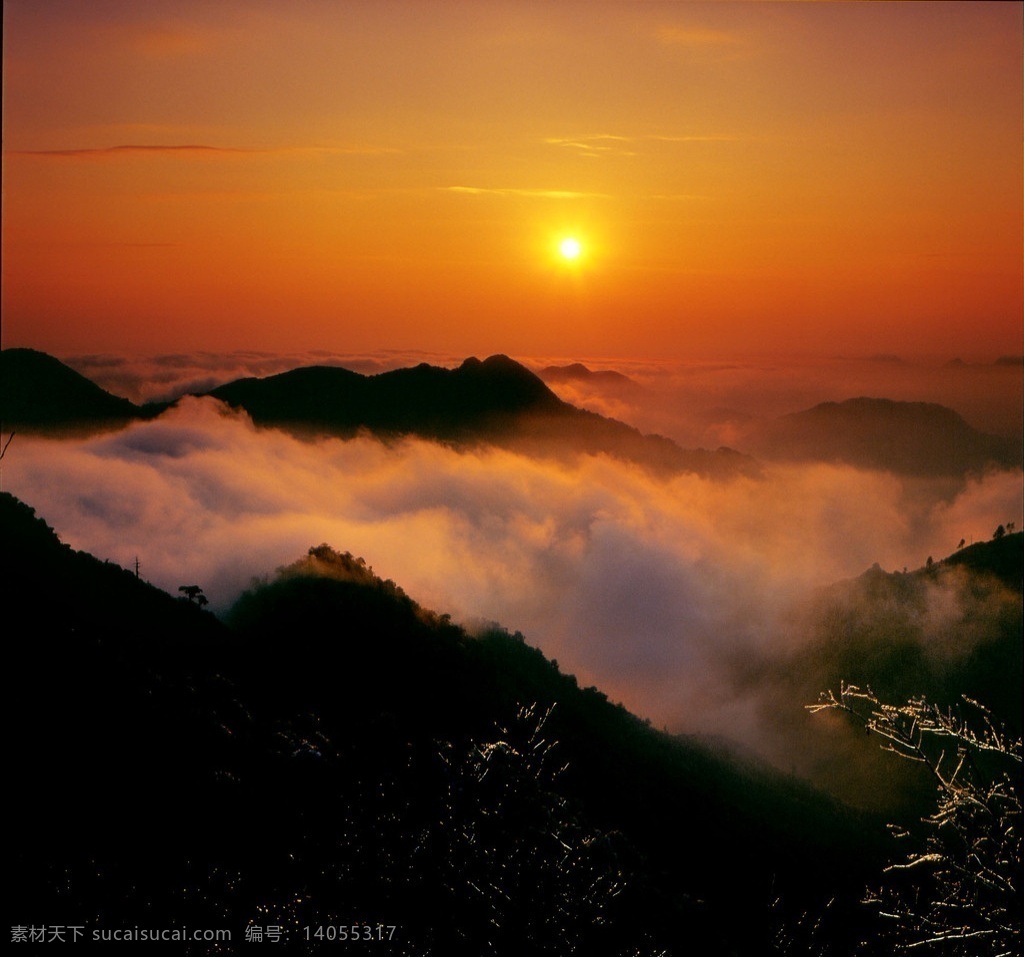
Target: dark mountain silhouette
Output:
[
  {"x": 336, "y": 754},
  {"x": 496, "y": 400},
  {"x": 889, "y": 620},
  {"x": 950, "y": 629},
  {"x": 911, "y": 438},
  {"x": 607, "y": 379},
  {"x": 424, "y": 400},
  {"x": 40, "y": 393},
  {"x": 1002, "y": 558}
]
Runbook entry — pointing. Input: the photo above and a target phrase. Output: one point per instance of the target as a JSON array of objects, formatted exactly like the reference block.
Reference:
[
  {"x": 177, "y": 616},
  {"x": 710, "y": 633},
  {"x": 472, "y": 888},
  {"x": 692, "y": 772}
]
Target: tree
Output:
[
  {"x": 999, "y": 532},
  {"x": 194, "y": 594},
  {"x": 957, "y": 892}
]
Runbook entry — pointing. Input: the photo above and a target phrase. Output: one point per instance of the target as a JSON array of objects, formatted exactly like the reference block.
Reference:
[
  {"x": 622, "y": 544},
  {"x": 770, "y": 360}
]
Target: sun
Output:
[{"x": 570, "y": 248}]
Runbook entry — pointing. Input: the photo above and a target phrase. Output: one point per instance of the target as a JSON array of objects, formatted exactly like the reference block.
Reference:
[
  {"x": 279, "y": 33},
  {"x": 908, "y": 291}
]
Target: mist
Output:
[
  {"x": 164, "y": 378},
  {"x": 714, "y": 402},
  {"x": 698, "y": 403},
  {"x": 652, "y": 589}
]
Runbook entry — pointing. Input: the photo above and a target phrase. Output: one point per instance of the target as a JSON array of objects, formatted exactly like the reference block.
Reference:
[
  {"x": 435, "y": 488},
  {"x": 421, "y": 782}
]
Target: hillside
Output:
[
  {"x": 40, "y": 393},
  {"x": 1002, "y": 558},
  {"x": 335, "y": 753},
  {"x": 950, "y": 629},
  {"x": 911, "y": 438}
]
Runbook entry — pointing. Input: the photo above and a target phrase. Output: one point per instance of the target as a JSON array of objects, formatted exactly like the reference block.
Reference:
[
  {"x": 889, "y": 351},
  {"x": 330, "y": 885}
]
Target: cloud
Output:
[
  {"x": 169, "y": 376},
  {"x": 695, "y": 139},
  {"x": 611, "y": 144},
  {"x": 945, "y": 635},
  {"x": 708, "y": 402},
  {"x": 597, "y": 145},
  {"x": 651, "y": 589},
  {"x": 705, "y": 404}
]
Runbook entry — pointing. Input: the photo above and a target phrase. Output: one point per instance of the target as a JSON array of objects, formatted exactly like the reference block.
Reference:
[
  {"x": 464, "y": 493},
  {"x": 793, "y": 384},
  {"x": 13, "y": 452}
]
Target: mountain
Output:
[
  {"x": 496, "y": 400},
  {"x": 911, "y": 438},
  {"x": 606, "y": 379},
  {"x": 40, "y": 393},
  {"x": 333, "y": 753},
  {"x": 1002, "y": 559},
  {"x": 425, "y": 400},
  {"x": 948, "y": 630}
]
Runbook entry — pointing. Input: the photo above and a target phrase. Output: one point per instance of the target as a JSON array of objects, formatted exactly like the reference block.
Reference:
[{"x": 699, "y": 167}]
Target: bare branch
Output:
[{"x": 965, "y": 868}]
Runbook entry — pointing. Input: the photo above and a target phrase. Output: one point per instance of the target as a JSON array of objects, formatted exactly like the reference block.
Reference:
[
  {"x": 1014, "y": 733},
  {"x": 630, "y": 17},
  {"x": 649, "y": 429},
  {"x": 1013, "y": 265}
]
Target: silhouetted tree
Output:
[
  {"x": 194, "y": 594},
  {"x": 999, "y": 532}
]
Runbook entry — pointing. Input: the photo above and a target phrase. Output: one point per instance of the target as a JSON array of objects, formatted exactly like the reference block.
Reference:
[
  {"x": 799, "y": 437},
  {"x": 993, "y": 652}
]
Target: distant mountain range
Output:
[
  {"x": 608, "y": 379},
  {"x": 910, "y": 438},
  {"x": 498, "y": 401}
]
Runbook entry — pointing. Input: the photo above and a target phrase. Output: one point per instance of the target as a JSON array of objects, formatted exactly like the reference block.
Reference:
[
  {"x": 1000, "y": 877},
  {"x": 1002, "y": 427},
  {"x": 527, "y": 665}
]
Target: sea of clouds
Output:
[{"x": 650, "y": 588}]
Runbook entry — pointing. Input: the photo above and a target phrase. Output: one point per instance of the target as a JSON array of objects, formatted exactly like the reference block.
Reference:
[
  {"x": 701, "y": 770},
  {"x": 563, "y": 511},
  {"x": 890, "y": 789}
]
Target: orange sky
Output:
[{"x": 835, "y": 177}]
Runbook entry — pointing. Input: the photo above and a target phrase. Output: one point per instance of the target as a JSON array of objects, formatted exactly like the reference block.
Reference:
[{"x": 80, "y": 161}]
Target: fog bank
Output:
[{"x": 651, "y": 589}]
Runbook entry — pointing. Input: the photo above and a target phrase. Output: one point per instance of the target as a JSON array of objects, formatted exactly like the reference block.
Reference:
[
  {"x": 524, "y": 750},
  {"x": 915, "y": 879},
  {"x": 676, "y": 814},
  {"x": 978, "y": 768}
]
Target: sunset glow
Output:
[
  {"x": 468, "y": 467},
  {"x": 762, "y": 176}
]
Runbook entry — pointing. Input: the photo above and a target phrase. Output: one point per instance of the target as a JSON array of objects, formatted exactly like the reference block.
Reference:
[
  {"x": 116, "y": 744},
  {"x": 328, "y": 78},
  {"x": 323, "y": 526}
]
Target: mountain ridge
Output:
[
  {"x": 609, "y": 379},
  {"x": 361, "y": 737},
  {"x": 912, "y": 438},
  {"x": 40, "y": 392},
  {"x": 424, "y": 399},
  {"x": 499, "y": 401},
  {"x": 495, "y": 400}
]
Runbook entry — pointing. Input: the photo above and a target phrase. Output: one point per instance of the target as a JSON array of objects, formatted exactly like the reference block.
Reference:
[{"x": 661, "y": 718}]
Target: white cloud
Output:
[{"x": 648, "y": 588}]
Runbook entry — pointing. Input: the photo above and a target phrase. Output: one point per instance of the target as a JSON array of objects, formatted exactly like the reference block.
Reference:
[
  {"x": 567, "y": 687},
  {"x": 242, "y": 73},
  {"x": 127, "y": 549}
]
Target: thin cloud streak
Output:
[{"x": 613, "y": 144}]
